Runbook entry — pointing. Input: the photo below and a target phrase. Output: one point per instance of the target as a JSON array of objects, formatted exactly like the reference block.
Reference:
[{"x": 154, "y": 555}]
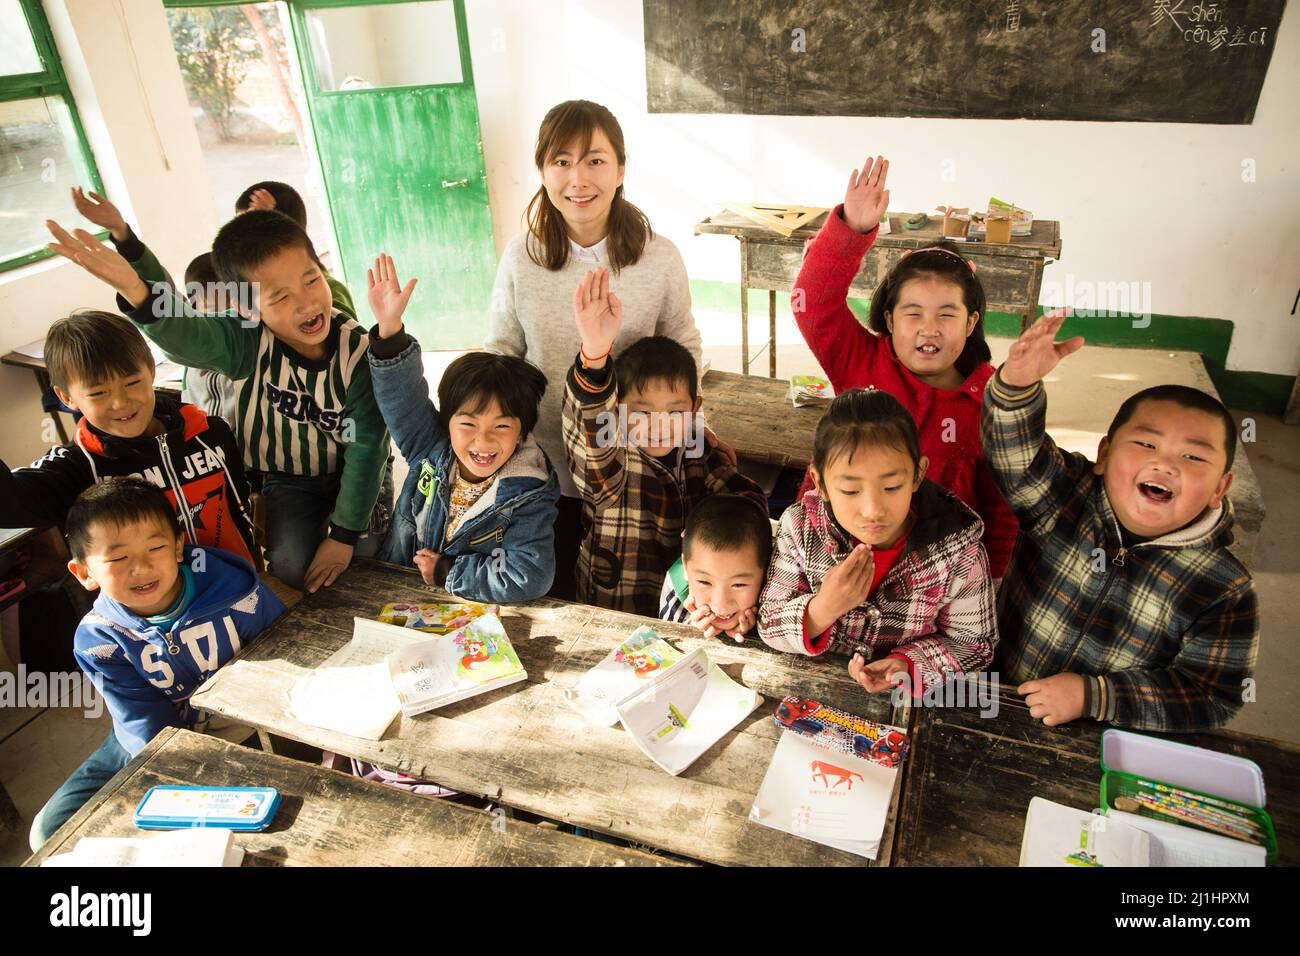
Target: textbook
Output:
[
  {"x": 819, "y": 789},
  {"x": 444, "y": 668},
  {"x": 436, "y": 618},
  {"x": 1057, "y": 835},
  {"x": 810, "y": 390},
  {"x": 683, "y": 710},
  {"x": 637, "y": 660}
]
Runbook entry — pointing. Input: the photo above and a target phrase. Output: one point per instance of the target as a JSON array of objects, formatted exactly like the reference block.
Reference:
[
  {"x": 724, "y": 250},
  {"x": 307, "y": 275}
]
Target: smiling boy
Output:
[
  {"x": 1122, "y": 602},
  {"x": 306, "y": 414},
  {"x": 166, "y": 618},
  {"x": 637, "y": 454},
  {"x": 101, "y": 367}
]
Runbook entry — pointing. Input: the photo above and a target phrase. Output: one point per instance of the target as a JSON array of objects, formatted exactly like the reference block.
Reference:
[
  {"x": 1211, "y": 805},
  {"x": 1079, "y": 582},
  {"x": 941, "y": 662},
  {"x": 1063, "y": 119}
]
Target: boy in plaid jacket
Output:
[
  {"x": 1122, "y": 602},
  {"x": 876, "y": 562},
  {"x": 635, "y": 446}
]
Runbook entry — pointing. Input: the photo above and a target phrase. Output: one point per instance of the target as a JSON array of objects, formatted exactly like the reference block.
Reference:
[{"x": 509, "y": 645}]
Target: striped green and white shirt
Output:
[{"x": 295, "y": 415}]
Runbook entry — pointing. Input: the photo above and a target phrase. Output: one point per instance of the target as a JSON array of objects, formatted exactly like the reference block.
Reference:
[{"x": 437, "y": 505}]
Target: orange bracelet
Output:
[{"x": 588, "y": 359}]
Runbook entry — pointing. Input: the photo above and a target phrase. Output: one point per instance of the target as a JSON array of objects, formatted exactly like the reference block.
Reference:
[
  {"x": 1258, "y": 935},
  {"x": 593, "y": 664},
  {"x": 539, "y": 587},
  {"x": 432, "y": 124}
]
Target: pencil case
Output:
[
  {"x": 232, "y": 808},
  {"x": 842, "y": 732},
  {"x": 1135, "y": 764}
]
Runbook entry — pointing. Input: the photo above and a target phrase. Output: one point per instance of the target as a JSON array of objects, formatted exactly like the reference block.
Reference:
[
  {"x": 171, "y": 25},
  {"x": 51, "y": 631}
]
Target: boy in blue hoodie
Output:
[
  {"x": 167, "y": 617},
  {"x": 477, "y": 512}
]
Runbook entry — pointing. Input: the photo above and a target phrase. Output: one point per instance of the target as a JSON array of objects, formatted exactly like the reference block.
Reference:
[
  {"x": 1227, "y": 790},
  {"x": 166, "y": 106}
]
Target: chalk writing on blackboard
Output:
[
  {"x": 1205, "y": 23},
  {"x": 1013, "y": 15}
]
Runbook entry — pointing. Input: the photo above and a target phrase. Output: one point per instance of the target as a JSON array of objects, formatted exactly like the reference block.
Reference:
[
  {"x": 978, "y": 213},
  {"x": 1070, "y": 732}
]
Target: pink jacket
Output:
[{"x": 934, "y": 607}]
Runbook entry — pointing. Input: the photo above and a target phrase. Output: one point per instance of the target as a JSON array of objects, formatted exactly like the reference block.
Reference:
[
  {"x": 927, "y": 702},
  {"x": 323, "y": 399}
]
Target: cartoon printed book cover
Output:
[
  {"x": 449, "y": 667},
  {"x": 638, "y": 659},
  {"x": 436, "y": 618}
]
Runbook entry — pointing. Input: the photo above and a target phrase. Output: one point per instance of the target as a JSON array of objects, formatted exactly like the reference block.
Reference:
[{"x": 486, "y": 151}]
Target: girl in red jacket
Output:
[{"x": 925, "y": 345}]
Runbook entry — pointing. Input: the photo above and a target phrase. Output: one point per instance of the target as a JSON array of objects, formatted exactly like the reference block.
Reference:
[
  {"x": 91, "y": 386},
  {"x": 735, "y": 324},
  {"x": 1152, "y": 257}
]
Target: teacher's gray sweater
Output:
[{"x": 532, "y": 317}]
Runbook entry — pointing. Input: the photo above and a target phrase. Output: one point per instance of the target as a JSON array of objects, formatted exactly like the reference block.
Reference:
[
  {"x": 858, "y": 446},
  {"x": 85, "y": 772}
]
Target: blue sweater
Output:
[
  {"x": 504, "y": 548},
  {"x": 148, "y": 674}
]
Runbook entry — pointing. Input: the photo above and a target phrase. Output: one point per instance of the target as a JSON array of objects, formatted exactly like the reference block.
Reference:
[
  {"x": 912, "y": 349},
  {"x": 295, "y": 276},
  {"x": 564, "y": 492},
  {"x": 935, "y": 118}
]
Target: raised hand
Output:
[
  {"x": 101, "y": 212},
  {"x": 1037, "y": 352},
  {"x": 599, "y": 315},
  {"x": 387, "y": 297},
  {"x": 99, "y": 260},
  {"x": 261, "y": 199},
  {"x": 867, "y": 199}
]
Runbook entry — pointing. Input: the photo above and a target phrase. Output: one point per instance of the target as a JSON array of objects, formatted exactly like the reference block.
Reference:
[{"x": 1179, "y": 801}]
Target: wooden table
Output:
[
  {"x": 971, "y": 779},
  {"x": 1011, "y": 273},
  {"x": 524, "y": 747},
  {"x": 753, "y": 414},
  {"x": 327, "y": 818}
]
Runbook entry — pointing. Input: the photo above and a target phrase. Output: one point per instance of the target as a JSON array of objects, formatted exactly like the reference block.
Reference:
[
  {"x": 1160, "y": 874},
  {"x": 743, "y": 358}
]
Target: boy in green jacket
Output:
[{"x": 306, "y": 416}]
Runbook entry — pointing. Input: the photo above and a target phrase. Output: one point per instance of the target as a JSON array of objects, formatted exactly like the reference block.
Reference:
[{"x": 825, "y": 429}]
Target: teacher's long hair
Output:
[{"x": 548, "y": 241}]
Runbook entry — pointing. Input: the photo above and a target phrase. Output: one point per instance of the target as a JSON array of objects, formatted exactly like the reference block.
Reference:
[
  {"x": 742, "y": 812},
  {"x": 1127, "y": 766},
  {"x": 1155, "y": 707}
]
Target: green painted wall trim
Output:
[{"x": 1247, "y": 391}]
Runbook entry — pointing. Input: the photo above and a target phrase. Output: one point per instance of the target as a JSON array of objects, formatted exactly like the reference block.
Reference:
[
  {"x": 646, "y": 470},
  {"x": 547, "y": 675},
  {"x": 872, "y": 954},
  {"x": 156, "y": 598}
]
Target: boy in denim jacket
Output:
[{"x": 477, "y": 511}]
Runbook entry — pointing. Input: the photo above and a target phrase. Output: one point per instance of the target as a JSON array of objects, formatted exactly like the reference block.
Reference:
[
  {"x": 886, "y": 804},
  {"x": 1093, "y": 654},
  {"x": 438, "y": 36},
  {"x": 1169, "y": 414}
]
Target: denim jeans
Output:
[
  {"x": 297, "y": 519},
  {"x": 85, "y": 782}
]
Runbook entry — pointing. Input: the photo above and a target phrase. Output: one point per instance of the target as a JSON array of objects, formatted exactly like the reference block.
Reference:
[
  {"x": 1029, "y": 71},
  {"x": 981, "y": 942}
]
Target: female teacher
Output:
[{"x": 577, "y": 221}]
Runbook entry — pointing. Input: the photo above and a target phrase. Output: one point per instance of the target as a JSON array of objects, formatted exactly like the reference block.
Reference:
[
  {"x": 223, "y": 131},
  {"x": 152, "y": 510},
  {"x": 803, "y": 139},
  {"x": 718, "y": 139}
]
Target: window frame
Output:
[{"x": 49, "y": 82}]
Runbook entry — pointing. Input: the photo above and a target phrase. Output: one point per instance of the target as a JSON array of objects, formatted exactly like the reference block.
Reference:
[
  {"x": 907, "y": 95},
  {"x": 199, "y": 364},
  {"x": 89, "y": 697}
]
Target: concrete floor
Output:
[{"x": 39, "y": 748}]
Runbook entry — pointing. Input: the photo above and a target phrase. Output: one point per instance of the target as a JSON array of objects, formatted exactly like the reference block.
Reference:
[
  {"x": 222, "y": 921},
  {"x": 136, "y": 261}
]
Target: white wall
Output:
[
  {"x": 132, "y": 105},
  {"x": 1147, "y": 202},
  {"x": 1161, "y": 203}
]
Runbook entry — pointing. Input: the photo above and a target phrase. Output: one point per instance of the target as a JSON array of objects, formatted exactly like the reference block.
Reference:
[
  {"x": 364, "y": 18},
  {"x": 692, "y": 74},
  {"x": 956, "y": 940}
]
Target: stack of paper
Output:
[
  {"x": 351, "y": 691},
  {"x": 1057, "y": 835},
  {"x": 835, "y": 799},
  {"x": 206, "y": 846}
]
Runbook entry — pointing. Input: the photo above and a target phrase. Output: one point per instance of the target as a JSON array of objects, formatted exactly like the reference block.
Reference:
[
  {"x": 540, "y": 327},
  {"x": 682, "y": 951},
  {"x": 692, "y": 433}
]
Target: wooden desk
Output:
[
  {"x": 754, "y": 416},
  {"x": 523, "y": 746},
  {"x": 327, "y": 818},
  {"x": 971, "y": 780},
  {"x": 1011, "y": 273}
]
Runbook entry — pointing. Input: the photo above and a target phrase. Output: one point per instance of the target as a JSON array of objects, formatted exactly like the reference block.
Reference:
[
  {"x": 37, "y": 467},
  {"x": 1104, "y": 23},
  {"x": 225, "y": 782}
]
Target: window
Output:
[
  {"x": 384, "y": 45},
  {"x": 43, "y": 151}
]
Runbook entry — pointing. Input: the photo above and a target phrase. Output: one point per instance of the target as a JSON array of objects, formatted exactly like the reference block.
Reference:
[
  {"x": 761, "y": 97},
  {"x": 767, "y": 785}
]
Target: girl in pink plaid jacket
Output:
[{"x": 877, "y": 563}]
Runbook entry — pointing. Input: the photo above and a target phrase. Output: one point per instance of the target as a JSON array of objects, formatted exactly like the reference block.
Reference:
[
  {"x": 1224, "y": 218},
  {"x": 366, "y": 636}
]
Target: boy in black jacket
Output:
[{"x": 101, "y": 366}]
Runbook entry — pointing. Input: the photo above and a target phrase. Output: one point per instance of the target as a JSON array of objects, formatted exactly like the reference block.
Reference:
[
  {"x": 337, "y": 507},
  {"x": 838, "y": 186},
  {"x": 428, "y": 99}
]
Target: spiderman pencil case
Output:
[{"x": 842, "y": 732}]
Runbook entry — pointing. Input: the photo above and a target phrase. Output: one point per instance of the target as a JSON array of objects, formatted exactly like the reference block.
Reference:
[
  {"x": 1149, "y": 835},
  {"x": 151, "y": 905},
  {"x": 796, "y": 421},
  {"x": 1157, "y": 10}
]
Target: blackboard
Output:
[{"x": 1133, "y": 60}]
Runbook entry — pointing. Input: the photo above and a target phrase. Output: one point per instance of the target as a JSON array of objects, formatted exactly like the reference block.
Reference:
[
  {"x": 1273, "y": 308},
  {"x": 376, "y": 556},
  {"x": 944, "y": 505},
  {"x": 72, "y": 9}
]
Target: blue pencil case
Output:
[{"x": 231, "y": 808}]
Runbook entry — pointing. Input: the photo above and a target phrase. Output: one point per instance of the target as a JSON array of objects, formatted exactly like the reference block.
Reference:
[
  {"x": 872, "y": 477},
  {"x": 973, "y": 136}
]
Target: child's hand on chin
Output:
[
  {"x": 1054, "y": 700},
  {"x": 875, "y": 677}
]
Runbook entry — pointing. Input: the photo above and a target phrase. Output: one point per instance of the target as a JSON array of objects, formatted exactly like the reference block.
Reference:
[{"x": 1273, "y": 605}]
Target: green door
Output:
[{"x": 391, "y": 98}]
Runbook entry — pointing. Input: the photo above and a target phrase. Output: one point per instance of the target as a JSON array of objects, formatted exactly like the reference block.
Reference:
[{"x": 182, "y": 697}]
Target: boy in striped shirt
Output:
[{"x": 306, "y": 415}]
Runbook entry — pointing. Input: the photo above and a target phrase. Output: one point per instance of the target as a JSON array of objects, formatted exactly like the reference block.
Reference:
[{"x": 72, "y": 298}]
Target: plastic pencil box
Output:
[
  {"x": 231, "y": 808},
  {"x": 1128, "y": 760}
]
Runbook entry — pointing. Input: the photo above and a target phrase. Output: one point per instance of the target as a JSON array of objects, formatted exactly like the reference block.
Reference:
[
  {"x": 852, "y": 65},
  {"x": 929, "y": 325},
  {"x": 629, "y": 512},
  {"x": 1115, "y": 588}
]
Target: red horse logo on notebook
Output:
[{"x": 827, "y": 770}]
